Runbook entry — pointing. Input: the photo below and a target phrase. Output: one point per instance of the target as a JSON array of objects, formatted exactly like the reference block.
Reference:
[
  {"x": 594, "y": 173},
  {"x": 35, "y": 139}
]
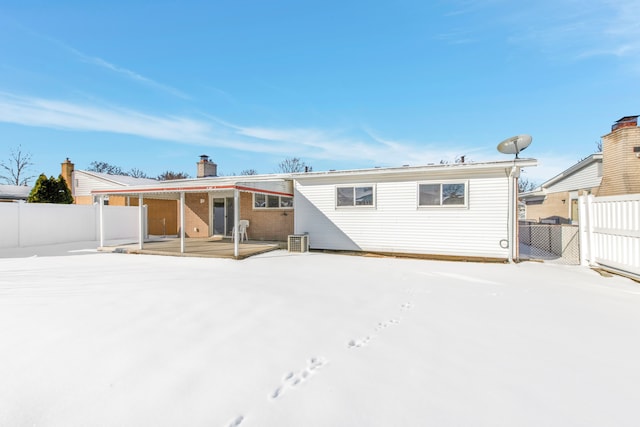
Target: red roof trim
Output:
[{"x": 190, "y": 189}]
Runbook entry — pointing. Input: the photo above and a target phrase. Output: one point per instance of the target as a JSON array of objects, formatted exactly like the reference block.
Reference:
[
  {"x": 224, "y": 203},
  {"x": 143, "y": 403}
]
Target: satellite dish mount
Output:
[{"x": 515, "y": 144}]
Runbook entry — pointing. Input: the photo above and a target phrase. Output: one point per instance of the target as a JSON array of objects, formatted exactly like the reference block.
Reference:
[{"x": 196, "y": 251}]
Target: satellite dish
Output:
[{"x": 515, "y": 144}]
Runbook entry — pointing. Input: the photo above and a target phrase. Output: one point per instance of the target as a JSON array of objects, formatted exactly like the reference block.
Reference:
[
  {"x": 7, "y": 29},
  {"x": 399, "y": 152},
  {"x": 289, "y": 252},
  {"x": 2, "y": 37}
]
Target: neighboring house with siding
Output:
[
  {"x": 14, "y": 193},
  {"x": 462, "y": 210},
  {"x": 162, "y": 214},
  {"x": 614, "y": 171},
  {"x": 556, "y": 200}
]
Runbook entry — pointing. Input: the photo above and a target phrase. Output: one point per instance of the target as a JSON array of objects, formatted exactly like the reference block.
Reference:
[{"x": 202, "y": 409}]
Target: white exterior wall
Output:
[
  {"x": 396, "y": 224},
  {"x": 585, "y": 178},
  {"x": 32, "y": 224},
  {"x": 83, "y": 184}
]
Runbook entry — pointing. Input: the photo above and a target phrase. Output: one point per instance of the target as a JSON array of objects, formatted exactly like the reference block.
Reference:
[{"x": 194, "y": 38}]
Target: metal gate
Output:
[{"x": 552, "y": 243}]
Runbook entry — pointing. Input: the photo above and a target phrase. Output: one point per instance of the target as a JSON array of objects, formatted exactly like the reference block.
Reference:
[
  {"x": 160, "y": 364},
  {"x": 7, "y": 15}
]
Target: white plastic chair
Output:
[{"x": 243, "y": 224}]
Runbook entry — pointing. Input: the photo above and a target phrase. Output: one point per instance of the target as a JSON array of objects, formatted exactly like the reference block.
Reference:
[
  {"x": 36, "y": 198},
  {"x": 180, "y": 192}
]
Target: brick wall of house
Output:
[
  {"x": 620, "y": 165},
  {"x": 113, "y": 200},
  {"x": 196, "y": 215},
  {"x": 552, "y": 207},
  {"x": 83, "y": 200},
  {"x": 266, "y": 224}
]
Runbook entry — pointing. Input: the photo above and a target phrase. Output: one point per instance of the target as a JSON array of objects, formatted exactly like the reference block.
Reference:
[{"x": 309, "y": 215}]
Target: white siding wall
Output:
[
  {"x": 587, "y": 177},
  {"x": 84, "y": 184},
  {"x": 397, "y": 225}
]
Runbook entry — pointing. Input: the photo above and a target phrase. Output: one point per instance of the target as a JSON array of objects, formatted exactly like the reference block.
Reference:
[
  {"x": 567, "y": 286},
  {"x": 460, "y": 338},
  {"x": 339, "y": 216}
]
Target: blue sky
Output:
[{"x": 341, "y": 84}]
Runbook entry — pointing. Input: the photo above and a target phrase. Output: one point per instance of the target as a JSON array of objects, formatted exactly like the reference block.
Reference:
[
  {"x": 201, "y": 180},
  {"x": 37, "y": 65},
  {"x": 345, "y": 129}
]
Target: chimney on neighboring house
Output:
[
  {"x": 620, "y": 159},
  {"x": 206, "y": 168},
  {"x": 627, "y": 121},
  {"x": 66, "y": 170}
]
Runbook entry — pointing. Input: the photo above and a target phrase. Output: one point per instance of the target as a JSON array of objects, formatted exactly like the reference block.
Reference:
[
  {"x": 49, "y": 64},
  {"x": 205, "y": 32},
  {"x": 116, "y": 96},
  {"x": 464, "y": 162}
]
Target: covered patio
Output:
[
  {"x": 211, "y": 247},
  {"x": 199, "y": 196}
]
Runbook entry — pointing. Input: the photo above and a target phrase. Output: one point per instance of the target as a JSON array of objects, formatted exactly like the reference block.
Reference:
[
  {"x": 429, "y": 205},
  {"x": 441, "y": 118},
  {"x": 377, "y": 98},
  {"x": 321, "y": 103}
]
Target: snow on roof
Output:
[
  {"x": 276, "y": 183},
  {"x": 14, "y": 192},
  {"x": 120, "y": 179}
]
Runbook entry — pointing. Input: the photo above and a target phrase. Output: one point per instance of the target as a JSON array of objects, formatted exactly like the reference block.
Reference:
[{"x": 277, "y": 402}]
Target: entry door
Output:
[
  {"x": 223, "y": 216},
  {"x": 574, "y": 211},
  {"x": 228, "y": 215}
]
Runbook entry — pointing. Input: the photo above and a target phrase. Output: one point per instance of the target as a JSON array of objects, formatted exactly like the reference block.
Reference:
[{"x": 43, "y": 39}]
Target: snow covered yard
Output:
[{"x": 98, "y": 339}]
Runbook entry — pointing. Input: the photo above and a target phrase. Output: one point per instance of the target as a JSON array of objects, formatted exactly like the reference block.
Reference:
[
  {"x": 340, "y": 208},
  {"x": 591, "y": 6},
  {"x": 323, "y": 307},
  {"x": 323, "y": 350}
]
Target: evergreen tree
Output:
[
  {"x": 64, "y": 193},
  {"x": 50, "y": 190}
]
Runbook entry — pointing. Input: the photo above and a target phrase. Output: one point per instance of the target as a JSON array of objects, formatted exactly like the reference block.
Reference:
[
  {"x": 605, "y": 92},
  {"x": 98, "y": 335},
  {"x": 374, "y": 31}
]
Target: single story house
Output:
[
  {"x": 14, "y": 193},
  {"x": 461, "y": 210}
]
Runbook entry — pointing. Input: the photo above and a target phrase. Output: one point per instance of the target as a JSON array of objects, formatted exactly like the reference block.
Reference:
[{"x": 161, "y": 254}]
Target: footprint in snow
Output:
[
  {"x": 236, "y": 422},
  {"x": 292, "y": 379},
  {"x": 359, "y": 343},
  {"x": 406, "y": 306}
]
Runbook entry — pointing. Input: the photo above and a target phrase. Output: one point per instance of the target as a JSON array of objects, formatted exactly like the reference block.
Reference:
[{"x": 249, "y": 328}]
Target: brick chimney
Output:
[
  {"x": 620, "y": 162},
  {"x": 66, "y": 170},
  {"x": 206, "y": 168},
  {"x": 627, "y": 121}
]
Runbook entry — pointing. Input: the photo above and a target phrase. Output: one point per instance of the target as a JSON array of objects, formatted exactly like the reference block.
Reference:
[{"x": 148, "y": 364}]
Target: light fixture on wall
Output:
[{"x": 564, "y": 201}]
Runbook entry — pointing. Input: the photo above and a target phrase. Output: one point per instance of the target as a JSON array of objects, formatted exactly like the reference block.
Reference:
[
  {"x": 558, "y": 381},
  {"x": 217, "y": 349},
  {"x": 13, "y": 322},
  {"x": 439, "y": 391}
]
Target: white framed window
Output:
[
  {"x": 271, "y": 201},
  {"x": 355, "y": 196},
  {"x": 454, "y": 194}
]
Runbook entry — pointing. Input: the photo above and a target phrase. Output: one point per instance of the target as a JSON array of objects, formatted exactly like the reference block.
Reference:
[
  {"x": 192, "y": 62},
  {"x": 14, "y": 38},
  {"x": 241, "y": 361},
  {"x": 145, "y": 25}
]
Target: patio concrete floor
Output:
[{"x": 211, "y": 247}]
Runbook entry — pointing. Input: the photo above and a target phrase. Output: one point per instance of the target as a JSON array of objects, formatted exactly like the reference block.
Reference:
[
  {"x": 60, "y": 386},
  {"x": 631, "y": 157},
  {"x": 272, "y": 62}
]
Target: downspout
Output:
[{"x": 511, "y": 217}]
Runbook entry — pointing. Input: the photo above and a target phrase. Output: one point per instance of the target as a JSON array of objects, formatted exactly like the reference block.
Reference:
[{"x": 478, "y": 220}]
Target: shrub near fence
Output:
[{"x": 31, "y": 224}]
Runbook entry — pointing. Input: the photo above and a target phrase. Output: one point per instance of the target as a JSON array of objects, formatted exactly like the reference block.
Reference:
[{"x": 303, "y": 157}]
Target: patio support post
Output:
[
  {"x": 236, "y": 219},
  {"x": 182, "y": 222},
  {"x": 140, "y": 222},
  {"x": 101, "y": 216}
]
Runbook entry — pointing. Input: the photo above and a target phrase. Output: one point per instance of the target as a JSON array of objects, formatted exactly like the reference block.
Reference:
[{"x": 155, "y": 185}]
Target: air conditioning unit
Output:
[{"x": 298, "y": 243}]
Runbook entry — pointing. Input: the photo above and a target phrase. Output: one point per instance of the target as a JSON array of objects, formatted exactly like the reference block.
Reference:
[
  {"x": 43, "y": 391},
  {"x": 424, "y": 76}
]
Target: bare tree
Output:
[
  {"x": 17, "y": 167},
  {"x": 171, "y": 175},
  {"x": 525, "y": 185},
  {"x": 599, "y": 146},
  {"x": 249, "y": 172},
  {"x": 104, "y": 167},
  {"x": 293, "y": 164},
  {"x": 137, "y": 173}
]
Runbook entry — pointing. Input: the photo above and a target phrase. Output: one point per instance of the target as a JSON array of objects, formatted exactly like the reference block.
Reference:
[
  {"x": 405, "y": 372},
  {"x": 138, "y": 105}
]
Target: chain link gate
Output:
[{"x": 553, "y": 243}]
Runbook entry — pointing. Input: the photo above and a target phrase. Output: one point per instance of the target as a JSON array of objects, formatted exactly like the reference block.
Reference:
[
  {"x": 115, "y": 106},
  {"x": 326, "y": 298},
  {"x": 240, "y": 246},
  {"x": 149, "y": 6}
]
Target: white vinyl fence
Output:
[
  {"x": 610, "y": 232},
  {"x": 31, "y": 224}
]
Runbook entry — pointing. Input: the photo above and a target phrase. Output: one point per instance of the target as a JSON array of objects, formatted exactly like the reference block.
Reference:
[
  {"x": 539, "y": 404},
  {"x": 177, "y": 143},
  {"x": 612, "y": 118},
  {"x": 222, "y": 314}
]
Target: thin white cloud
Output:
[
  {"x": 131, "y": 75},
  {"x": 362, "y": 147},
  {"x": 127, "y": 73},
  {"x": 580, "y": 30}
]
